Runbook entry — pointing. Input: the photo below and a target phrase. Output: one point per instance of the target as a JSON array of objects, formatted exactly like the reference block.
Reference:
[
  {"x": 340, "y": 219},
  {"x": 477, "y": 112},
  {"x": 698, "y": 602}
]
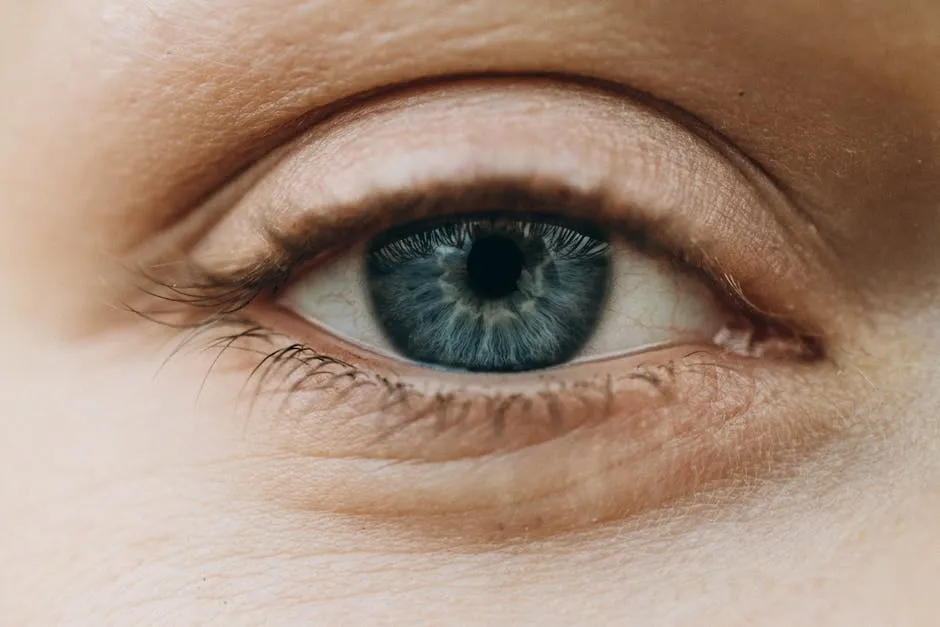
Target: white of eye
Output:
[{"x": 650, "y": 303}]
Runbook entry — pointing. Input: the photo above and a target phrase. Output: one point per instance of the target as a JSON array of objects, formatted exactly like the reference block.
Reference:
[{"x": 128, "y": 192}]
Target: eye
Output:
[
  {"x": 504, "y": 293},
  {"x": 557, "y": 305}
]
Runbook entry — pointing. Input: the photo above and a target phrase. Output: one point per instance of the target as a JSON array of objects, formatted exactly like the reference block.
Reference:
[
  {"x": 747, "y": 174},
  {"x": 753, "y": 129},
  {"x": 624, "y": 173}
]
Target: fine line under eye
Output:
[{"x": 488, "y": 293}]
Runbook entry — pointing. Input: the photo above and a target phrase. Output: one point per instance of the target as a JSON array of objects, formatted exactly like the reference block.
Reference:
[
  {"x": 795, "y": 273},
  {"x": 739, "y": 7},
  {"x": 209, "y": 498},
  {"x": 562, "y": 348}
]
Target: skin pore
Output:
[{"x": 134, "y": 489}]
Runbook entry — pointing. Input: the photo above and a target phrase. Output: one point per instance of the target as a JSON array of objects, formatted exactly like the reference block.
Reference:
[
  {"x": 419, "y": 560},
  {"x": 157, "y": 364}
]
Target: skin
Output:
[{"x": 128, "y": 502}]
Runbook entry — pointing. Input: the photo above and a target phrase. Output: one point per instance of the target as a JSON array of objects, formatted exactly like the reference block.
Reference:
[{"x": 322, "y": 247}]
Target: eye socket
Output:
[
  {"x": 709, "y": 284},
  {"x": 505, "y": 293}
]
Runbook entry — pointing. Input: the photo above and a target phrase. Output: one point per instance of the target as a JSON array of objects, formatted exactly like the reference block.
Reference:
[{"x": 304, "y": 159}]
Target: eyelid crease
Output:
[{"x": 284, "y": 132}]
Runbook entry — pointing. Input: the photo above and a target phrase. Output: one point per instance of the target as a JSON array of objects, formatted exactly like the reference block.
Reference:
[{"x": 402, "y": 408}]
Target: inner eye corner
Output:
[{"x": 757, "y": 333}]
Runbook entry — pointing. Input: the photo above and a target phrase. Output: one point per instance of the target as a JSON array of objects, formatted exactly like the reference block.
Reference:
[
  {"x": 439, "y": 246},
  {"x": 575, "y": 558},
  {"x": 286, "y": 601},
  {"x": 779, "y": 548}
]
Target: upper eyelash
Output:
[
  {"x": 421, "y": 237},
  {"x": 229, "y": 291}
]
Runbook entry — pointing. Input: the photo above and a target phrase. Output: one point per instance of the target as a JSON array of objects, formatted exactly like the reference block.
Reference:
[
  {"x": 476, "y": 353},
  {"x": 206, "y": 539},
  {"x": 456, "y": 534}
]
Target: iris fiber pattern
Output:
[{"x": 489, "y": 294}]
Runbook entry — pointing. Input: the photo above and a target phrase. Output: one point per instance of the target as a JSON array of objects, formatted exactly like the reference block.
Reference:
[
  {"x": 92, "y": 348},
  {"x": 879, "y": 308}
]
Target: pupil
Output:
[{"x": 494, "y": 266}]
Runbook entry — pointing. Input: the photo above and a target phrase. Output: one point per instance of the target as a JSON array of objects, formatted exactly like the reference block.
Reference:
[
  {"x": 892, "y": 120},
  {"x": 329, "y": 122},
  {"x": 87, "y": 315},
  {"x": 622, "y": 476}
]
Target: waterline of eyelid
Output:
[
  {"x": 429, "y": 419},
  {"x": 406, "y": 370}
]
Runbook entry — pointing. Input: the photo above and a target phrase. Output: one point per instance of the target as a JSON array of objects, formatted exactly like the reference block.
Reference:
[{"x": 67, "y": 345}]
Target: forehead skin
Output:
[{"x": 117, "y": 116}]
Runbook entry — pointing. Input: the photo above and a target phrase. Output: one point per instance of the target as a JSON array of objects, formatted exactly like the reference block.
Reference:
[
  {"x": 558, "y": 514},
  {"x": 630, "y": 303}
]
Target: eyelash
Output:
[
  {"x": 317, "y": 372},
  {"x": 214, "y": 308}
]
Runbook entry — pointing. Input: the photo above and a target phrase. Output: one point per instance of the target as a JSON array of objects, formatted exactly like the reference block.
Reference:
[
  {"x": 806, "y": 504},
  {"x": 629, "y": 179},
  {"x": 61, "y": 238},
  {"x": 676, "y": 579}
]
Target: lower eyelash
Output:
[
  {"x": 309, "y": 370},
  {"x": 300, "y": 381}
]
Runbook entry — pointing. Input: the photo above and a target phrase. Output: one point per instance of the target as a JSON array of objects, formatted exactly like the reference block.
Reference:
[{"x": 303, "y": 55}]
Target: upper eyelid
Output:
[
  {"x": 269, "y": 212},
  {"x": 294, "y": 190},
  {"x": 314, "y": 127}
]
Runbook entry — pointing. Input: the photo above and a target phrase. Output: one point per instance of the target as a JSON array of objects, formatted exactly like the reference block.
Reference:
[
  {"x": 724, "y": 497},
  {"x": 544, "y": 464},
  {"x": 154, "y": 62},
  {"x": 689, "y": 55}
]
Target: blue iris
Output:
[{"x": 489, "y": 294}]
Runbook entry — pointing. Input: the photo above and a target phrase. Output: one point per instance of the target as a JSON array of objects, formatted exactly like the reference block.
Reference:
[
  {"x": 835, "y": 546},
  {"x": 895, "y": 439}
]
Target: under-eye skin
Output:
[{"x": 466, "y": 323}]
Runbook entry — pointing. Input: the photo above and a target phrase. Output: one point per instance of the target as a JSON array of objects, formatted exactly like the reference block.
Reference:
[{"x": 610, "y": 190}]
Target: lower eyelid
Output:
[
  {"x": 489, "y": 406},
  {"x": 640, "y": 432},
  {"x": 667, "y": 430},
  {"x": 403, "y": 412}
]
